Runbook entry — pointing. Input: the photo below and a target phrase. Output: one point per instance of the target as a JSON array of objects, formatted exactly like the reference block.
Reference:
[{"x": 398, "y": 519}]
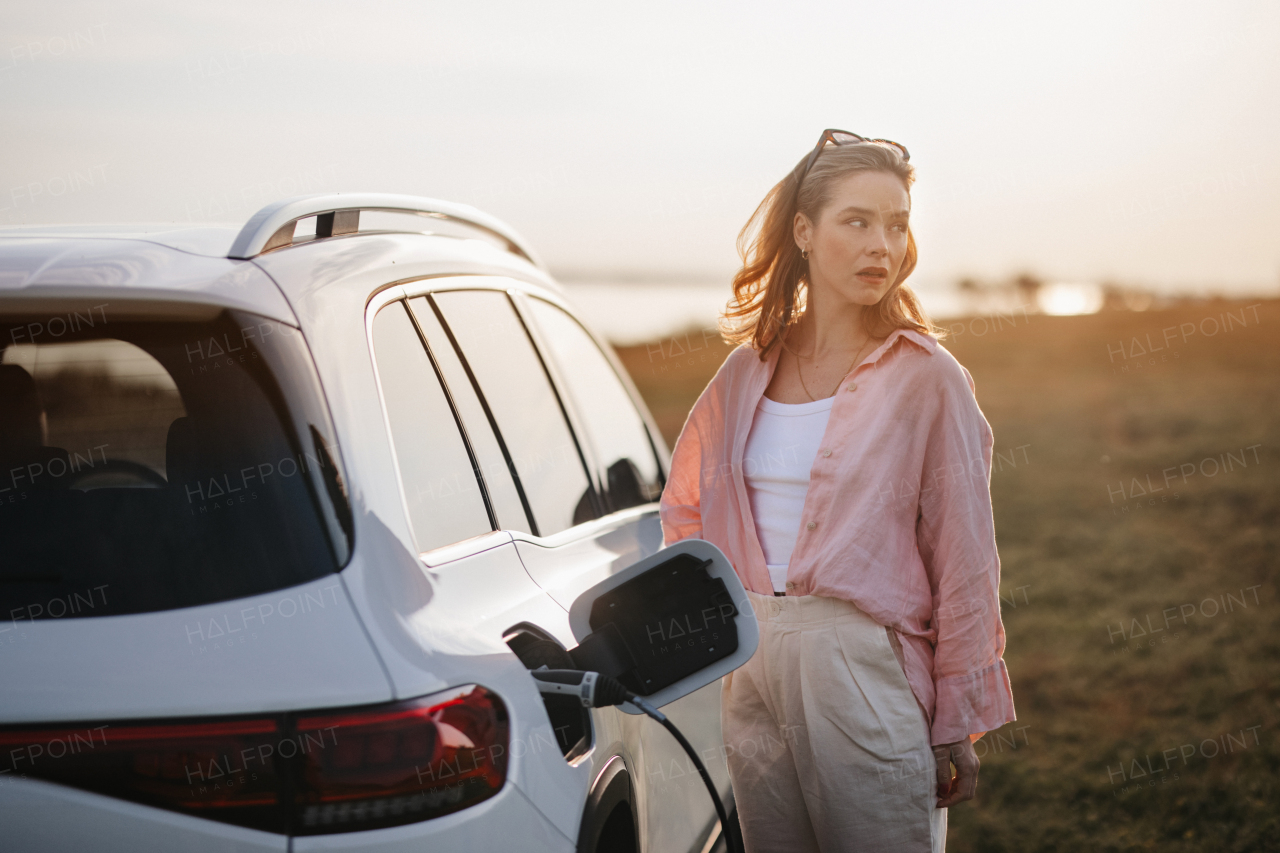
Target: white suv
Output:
[{"x": 287, "y": 514}]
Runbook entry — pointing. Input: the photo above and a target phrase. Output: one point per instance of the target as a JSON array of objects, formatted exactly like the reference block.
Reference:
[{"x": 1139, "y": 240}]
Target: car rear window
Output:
[{"x": 152, "y": 464}]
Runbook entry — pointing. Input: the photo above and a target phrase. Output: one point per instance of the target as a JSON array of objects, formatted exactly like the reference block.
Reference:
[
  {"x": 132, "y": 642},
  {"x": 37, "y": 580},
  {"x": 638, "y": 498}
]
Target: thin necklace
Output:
[{"x": 800, "y": 373}]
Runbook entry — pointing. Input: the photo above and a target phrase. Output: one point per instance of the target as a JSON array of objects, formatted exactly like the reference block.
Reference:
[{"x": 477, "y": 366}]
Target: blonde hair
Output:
[{"x": 766, "y": 291}]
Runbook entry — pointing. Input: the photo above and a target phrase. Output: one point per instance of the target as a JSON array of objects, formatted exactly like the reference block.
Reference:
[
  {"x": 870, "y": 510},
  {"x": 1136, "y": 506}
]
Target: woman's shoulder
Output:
[
  {"x": 728, "y": 378},
  {"x": 947, "y": 368},
  {"x": 745, "y": 352},
  {"x": 741, "y": 360},
  {"x": 930, "y": 367}
]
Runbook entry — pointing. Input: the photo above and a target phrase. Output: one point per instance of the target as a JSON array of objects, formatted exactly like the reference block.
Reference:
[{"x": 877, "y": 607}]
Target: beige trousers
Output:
[{"x": 828, "y": 750}]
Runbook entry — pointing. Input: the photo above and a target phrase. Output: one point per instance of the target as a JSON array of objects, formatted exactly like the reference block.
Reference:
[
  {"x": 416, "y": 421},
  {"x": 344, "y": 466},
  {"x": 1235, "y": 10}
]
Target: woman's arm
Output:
[{"x": 955, "y": 533}]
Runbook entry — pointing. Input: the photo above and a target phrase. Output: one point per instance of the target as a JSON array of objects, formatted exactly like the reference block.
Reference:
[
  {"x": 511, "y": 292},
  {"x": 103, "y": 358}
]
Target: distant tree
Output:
[
  {"x": 1028, "y": 287},
  {"x": 1113, "y": 296}
]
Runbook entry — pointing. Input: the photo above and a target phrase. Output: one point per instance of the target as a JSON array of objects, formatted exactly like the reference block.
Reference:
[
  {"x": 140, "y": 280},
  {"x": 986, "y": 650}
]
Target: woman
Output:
[{"x": 841, "y": 462}]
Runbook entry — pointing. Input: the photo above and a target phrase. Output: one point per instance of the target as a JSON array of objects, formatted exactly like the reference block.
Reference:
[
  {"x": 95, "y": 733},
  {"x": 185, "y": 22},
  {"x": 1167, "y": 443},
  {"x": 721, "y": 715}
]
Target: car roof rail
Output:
[{"x": 272, "y": 227}]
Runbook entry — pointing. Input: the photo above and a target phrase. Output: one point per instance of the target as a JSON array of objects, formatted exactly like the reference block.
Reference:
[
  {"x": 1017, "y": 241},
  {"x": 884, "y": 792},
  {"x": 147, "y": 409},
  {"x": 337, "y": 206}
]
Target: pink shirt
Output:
[{"x": 897, "y": 518}]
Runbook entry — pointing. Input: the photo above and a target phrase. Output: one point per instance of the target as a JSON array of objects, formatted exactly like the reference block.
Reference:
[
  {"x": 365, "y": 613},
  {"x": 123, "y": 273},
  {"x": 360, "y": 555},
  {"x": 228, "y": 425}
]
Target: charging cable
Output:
[{"x": 601, "y": 691}]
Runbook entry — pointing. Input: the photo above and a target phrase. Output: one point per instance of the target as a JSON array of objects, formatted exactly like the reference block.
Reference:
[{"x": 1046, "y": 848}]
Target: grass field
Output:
[{"x": 1137, "y": 506}]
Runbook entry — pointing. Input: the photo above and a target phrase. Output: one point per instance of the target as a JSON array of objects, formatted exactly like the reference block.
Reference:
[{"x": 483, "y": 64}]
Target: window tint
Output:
[
  {"x": 151, "y": 465},
  {"x": 613, "y": 425},
  {"x": 493, "y": 465},
  {"x": 440, "y": 488},
  {"x": 515, "y": 385}
]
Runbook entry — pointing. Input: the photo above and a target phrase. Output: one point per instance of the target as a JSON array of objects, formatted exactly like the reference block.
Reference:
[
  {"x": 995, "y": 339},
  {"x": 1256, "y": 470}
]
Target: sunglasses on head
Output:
[{"x": 844, "y": 137}]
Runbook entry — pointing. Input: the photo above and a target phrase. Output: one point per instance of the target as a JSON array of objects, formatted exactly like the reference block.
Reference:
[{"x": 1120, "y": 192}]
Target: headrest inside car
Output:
[{"x": 21, "y": 414}]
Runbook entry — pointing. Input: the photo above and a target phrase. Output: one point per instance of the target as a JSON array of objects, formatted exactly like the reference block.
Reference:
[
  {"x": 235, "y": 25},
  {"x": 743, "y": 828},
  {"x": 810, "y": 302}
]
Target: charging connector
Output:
[{"x": 601, "y": 691}]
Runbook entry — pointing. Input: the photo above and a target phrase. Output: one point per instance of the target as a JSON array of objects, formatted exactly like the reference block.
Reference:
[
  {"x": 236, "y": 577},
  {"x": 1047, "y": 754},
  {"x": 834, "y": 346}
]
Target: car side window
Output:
[
  {"x": 613, "y": 425},
  {"x": 524, "y": 404},
  {"x": 440, "y": 488},
  {"x": 498, "y": 481}
]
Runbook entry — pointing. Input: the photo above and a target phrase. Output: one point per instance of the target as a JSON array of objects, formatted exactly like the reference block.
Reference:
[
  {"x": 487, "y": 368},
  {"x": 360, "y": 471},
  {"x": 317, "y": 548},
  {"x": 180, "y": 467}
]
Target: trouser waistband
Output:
[{"x": 802, "y": 608}]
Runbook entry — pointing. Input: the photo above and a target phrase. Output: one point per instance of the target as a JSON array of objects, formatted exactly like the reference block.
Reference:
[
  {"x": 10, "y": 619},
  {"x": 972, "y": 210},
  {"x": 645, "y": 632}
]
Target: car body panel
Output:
[
  {"x": 38, "y": 815},
  {"x": 568, "y": 564},
  {"x": 117, "y": 270},
  {"x": 232, "y": 657},
  {"x": 209, "y": 240},
  {"x": 422, "y": 622}
]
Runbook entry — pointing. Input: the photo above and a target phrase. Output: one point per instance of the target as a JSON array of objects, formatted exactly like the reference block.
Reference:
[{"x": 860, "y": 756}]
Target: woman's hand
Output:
[{"x": 964, "y": 785}]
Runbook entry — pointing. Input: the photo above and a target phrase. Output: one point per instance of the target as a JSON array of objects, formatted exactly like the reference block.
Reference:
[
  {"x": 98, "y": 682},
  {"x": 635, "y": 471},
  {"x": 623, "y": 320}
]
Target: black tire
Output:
[
  {"x": 619, "y": 832},
  {"x": 609, "y": 822}
]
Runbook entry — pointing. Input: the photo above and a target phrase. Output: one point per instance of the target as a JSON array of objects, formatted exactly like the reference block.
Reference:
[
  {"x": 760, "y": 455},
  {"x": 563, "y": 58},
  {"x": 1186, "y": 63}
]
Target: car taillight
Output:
[
  {"x": 301, "y": 774},
  {"x": 404, "y": 763}
]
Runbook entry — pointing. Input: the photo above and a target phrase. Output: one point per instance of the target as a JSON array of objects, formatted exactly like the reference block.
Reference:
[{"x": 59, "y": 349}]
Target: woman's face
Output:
[{"x": 858, "y": 243}]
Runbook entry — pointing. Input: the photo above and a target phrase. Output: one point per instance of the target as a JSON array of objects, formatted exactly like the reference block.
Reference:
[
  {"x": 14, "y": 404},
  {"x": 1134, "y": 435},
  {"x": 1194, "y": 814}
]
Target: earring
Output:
[{"x": 804, "y": 253}]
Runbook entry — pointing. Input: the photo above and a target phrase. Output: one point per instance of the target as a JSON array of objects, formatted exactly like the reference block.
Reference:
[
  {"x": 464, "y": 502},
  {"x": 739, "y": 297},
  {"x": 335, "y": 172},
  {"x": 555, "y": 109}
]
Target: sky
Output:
[{"x": 1136, "y": 142}]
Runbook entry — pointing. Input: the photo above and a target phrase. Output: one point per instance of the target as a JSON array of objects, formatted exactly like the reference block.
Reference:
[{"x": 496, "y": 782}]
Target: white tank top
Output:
[{"x": 783, "y": 442}]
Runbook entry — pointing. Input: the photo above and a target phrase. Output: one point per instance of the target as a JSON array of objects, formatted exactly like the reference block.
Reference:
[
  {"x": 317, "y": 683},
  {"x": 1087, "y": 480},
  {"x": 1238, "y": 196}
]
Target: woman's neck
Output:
[{"x": 820, "y": 333}]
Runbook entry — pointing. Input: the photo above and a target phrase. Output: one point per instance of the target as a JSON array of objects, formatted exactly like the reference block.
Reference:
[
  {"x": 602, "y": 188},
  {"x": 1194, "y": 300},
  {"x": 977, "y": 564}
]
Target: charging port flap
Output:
[{"x": 667, "y": 625}]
